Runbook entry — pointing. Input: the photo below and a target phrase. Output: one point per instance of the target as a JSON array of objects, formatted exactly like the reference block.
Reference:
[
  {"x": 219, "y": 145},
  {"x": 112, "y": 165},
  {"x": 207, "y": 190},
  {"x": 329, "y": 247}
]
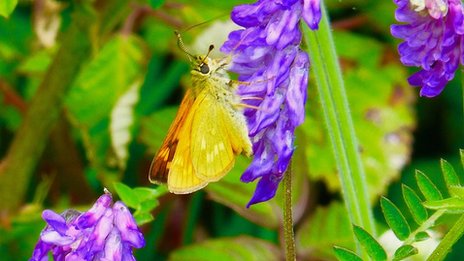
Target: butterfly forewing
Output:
[{"x": 160, "y": 165}]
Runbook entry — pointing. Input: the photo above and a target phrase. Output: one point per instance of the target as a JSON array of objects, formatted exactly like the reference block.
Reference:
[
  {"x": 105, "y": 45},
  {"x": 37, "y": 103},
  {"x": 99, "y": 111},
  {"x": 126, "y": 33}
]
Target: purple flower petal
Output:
[
  {"x": 105, "y": 232},
  {"x": 89, "y": 218},
  {"x": 126, "y": 224},
  {"x": 266, "y": 53},
  {"x": 57, "y": 222},
  {"x": 312, "y": 13},
  {"x": 432, "y": 41}
]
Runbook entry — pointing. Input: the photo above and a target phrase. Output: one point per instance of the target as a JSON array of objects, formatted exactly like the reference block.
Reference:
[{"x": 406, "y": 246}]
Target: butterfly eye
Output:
[{"x": 204, "y": 68}]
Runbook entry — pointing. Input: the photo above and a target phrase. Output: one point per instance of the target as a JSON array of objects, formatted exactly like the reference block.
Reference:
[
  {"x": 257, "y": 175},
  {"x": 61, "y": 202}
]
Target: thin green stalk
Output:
[
  {"x": 456, "y": 232},
  {"x": 339, "y": 124},
  {"x": 289, "y": 235},
  {"x": 462, "y": 91},
  {"x": 193, "y": 215},
  {"x": 430, "y": 222}
]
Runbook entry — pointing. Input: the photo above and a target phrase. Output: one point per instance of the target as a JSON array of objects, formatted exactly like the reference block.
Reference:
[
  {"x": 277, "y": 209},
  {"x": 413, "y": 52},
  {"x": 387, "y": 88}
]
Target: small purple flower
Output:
[
  {"x": 266, "y": 54},
  {"x": 433, "y": 34},
  {"x": 104, "y": 232}
]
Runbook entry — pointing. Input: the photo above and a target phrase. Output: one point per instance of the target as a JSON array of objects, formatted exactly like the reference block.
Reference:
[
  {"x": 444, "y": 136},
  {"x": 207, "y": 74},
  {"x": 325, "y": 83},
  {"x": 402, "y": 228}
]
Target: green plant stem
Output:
[
  {"x": 462, "y": 92},
  {"x": 430, "y": 222},
  {"x": 46, "y": 105},
  {"x": 455, "y": 233},
  {"x": 289, "y": 235},
  {"x": 339, "y": 124}
]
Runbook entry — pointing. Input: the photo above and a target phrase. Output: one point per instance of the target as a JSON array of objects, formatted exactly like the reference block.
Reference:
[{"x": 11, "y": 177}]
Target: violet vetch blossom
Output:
[
  {"x": 267, "y": 55},
  {"x": 433, "y": 34},
  {"x": 105, "y": 232}
]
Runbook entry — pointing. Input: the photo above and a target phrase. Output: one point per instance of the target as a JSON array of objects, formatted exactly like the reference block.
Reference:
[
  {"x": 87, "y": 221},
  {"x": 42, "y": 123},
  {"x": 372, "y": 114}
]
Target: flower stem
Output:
[
  {"x": 339, "y": 124},
  {"x": 462, "y": 89},
  {"x": 289, "y": 236},
  {"x": 456, "y": 232}
]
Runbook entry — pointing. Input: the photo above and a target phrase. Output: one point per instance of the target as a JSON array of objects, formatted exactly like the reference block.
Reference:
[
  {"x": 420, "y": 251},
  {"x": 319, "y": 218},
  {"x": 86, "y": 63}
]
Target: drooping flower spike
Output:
[
  {"x": 433, "y": 40},
  {"x": 105, "y": 232},
  {"x": 267, "y": 54}
]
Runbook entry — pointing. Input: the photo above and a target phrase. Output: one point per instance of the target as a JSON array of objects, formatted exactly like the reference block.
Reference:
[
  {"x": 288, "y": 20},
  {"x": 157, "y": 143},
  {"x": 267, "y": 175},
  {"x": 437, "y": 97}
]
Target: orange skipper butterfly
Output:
[{"x": 208, "y": 131}]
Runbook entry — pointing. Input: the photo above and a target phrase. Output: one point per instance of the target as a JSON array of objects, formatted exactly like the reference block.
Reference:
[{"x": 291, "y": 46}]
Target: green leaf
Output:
[
  {"x": 100, "y": 84},
  {"x": 414, "y": 203},
  {"x": 143, "y": 218},
  {"x": 452, "y": 205},
  {"x": 143, "y": 200},
  {"x": 7, "y": 7},
  {"x": 421, "y": 236},
  {"x": 228, "y": 249},
  {"x": 328, "y": 226},
  {"x": 36, "y": 64},
  {"x": 372, "y": 247},
  {"x": 148, "y": 205},
  {"x": 144, "y": 193},
  {"x": 109, "y": 75},
  {"x": 456, "y": 191},
  {"x": 155, "y": 4},
  {"x": 426, "y": 186},
  {"x": 404, "y": 252},
  {"x": 395, "y": 219},
  {"x": 380, "y": 101},
  {"x": 126, "y": 194},
  {"x": 451, "y": 178},
  {"x": 344, "y": 254}
]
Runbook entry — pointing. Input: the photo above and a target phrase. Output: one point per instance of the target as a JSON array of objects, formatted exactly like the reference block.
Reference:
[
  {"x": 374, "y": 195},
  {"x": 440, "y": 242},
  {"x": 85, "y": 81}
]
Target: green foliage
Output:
[
  {"x": 21, "y": 235},
  {"x": 142, "y": 199},
  {"x": 7, "y": 7},
  {"x": 383, "y": 121},
  {"x": 418, "y": 211},
  {"x": 327, "y": 227},
  {"x": 344, "y": 254},
  {"x": 103, "y": 99},
  {"x": 127, "y": 90},
  {"x": 399, "y": 225},
  {"x": 404, "y": 251},
  {"x": 228, "y": 249},
  {"x": 372, "y": 247},
  {"x": 395, "y": 219},
  {"x": 427, "y": 187}
]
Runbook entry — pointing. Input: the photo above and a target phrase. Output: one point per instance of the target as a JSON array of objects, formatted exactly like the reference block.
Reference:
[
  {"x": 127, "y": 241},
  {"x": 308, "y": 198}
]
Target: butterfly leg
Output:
[
  {"x": 244, "y": 105},
  {"x": 251, "y": 98}
]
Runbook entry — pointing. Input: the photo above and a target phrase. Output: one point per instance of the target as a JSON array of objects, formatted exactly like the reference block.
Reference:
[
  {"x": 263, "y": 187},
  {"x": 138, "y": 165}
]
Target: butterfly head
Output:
[{"x": 202, "y": 64}]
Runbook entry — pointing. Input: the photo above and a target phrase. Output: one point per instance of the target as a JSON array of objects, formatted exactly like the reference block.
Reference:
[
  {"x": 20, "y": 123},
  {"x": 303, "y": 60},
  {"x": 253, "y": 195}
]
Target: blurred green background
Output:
[{"x": 89, "y": 88}]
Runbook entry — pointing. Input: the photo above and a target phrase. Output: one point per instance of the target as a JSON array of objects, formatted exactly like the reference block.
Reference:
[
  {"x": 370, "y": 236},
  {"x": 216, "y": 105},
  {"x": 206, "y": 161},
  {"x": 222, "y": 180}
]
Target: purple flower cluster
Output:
[
  {"x": 267, "y": 55},
  {"x": 433, "y": 34},
  {"x": 104, "y": 232}
]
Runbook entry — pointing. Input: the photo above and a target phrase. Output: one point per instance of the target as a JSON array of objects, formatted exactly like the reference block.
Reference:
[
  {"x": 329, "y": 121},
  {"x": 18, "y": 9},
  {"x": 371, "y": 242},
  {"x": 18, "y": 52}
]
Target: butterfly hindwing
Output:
[{"x": 215, "y": 139}]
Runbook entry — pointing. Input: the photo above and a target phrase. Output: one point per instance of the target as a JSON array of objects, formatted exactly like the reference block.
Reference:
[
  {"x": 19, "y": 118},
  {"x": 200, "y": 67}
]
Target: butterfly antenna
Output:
[
  {"x": 206, "y": 22},
  {"x": 211, "y": 47},
  {"x": 181, "y": 45}
]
